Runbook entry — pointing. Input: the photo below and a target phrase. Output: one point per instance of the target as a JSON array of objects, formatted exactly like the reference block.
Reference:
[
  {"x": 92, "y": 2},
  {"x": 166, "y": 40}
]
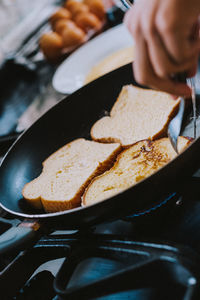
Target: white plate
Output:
[{"x": 70, "y": 75}]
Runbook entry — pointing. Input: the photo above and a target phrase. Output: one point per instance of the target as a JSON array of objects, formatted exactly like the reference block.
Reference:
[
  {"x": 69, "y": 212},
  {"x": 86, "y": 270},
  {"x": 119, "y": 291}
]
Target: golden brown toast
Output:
[
  {"x": 137, "y": 114},
  {"x": 133, "y": 164},
  {"x": 67, "y": 172}
]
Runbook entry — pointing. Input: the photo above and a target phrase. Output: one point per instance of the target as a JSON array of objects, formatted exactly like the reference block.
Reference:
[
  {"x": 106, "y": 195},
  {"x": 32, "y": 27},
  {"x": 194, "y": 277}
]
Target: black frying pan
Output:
[{"x": 70, "y": 119}]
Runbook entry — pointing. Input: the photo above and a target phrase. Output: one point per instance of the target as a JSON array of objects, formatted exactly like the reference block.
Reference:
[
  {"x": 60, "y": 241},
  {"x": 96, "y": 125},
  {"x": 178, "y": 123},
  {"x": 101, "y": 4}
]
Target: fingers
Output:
[
  {"x": 131, "y": 19},
  {"x": 177, "y": 42},
  {"x": 161, "y": 61},
  {"x": 142, "y": 67},
  {"x": 178, "y": 27},
  {"x": 145, "y": 75},
  {"x": 155, "y": 58}
]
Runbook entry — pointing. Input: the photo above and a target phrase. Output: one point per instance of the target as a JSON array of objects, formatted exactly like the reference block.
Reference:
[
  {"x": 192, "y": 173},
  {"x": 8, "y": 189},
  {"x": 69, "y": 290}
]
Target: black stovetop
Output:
[{"x": 155, "y": 256}]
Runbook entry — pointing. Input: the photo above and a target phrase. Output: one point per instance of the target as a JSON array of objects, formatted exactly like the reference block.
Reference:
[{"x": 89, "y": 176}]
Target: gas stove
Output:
[
  {"x": 153, "y": 256},
  {"x": 149, "y": 257}
]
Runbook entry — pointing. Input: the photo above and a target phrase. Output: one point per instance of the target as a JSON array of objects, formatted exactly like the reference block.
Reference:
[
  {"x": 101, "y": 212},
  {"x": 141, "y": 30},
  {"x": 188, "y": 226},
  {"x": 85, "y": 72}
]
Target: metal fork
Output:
[
  {"x": 127, "y": 4},
  {"x": 192, "y": 84},
  {"x": 175, "y": 124}
]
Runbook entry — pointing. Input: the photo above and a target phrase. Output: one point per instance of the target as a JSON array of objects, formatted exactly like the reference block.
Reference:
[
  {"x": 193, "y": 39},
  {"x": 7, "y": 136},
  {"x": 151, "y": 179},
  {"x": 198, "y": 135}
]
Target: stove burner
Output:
[
  {"x": 107, "y": 263},
  {"x": 157, "y": 267},
  {"x": 98, "y": 266},
  {"x": 39, "y": 287}
]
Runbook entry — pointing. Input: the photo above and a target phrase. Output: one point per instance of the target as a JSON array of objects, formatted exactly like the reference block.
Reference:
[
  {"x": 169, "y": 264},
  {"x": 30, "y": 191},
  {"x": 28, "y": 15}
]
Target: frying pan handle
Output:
[{"x": 17, "y": 237}]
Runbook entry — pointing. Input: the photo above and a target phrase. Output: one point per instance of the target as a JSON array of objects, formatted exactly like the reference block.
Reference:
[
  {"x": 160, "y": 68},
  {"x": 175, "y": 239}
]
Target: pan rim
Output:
[{"x": 80, "y": 208}]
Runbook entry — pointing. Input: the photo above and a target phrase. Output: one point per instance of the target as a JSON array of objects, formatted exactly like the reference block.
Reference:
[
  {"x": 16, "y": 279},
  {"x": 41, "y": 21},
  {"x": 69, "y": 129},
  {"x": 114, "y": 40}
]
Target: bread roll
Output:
[
  {"x": 60, "y": 14},
  {"x": 88, "y": 21},
  {"x": 51, "y": 45},
  {"x": 76, "y": 7},
  {"x": 72, "y": 35},
  {"x": 96, "y": 7}
]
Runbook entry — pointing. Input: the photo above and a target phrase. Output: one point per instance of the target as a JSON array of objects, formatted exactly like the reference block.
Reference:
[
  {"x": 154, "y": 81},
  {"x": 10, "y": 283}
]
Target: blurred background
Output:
[
  {"x": 50, "y": 48},
  {"x": 30, "y": 54}
]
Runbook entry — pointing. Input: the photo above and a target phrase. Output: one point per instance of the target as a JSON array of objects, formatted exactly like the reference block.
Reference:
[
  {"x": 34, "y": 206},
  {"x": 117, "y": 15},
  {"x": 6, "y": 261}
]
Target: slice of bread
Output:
[
  {"x": 132, "y": 165},
  {"x": 137, "y": 114},
  {"x": 67, "y": 172}
]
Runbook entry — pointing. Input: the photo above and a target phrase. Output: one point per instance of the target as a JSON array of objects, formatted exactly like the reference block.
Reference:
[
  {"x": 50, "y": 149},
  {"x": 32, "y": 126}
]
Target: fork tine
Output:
[
  {"x": 192, "y": 85},
  {"x": 172, "y": 137},
  {"x": 175, "y": 124},
  {"x": 127, "y": 4}
]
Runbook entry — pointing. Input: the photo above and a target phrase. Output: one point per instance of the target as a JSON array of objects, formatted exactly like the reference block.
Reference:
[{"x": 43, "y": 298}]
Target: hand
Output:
[{"x": 166, "y": 34}]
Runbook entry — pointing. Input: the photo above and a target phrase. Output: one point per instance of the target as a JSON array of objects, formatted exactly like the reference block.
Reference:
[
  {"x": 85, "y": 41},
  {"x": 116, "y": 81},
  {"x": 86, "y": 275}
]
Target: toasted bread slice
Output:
[
  {"x": 137, "y": 114},
  {"x": 67, "y": 172},
  {"x": 132, "y": 165}
]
